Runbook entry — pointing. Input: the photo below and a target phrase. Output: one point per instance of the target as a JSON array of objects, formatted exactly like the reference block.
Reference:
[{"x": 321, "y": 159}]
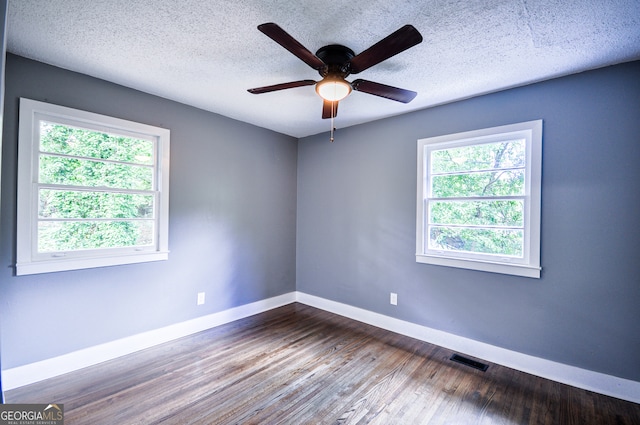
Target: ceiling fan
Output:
[{"x": 335, "y": 62}]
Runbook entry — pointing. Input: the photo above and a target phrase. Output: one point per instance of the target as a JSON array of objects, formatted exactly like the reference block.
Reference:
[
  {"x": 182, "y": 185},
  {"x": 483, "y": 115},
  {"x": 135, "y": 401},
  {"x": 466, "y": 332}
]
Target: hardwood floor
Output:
[{"x": 300, "y": 365}]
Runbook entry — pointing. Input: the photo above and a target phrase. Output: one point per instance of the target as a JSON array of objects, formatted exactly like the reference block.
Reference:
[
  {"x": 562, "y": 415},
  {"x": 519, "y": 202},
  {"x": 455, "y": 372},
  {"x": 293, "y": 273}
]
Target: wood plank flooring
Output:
[{"x": 300, "y": 365}]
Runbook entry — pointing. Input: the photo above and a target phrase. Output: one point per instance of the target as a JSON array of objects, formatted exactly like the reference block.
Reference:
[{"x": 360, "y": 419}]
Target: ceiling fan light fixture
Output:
[{"x": 333, "y": 89}]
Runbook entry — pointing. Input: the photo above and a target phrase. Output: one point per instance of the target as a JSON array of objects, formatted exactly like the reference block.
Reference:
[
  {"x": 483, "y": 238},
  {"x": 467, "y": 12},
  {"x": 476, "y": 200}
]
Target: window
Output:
[
  {"x": 478, "y": 199},
  {"x": 92, "y": 190}
]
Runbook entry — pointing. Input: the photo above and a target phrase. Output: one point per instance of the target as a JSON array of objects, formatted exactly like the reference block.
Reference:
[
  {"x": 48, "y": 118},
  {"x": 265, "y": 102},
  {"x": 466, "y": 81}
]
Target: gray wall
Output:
[
  {"x": 232, "y": 225},
  {"x": 356, "y": 224}
]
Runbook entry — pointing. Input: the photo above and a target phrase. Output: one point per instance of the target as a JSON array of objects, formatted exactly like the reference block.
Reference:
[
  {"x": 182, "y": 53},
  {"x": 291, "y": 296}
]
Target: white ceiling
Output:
[{"x": 208, "y": 53}]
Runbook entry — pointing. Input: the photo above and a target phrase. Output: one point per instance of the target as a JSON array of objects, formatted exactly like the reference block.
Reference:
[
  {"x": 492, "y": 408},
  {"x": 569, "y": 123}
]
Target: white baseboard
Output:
[
  {"x": 593, "y": 381},
  {"x": 613, "y": 386},
  {"x": 38, "y": 371}
]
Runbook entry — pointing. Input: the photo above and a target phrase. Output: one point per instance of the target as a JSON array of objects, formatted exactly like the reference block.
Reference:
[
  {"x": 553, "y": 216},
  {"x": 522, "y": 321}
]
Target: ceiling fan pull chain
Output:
[{"x": 332, "y": 117}]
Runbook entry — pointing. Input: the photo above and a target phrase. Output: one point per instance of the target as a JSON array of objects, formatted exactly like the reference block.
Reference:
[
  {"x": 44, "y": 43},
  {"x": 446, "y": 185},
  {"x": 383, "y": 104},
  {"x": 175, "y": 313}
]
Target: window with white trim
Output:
[
  {"x": 478, "y": 199},
  {"x": 93, "y": 190}
]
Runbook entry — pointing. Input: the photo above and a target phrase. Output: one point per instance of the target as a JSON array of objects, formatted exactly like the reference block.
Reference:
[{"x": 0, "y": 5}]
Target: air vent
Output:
[{"x": 469, "y": 362}]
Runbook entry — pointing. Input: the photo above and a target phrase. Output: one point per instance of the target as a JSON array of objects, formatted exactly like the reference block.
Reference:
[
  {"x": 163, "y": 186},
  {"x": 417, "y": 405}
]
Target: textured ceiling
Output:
[{"x": 208, "y": 53}]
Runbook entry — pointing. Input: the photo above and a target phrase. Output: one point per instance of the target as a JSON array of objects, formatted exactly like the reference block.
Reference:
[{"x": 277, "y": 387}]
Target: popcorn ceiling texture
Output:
[{"x": 208, "y": 53}]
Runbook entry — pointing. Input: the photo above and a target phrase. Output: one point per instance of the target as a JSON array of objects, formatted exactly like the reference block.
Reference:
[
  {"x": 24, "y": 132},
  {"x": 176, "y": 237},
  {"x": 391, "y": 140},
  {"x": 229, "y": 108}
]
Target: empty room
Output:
[{"x": 306, "y": 212}]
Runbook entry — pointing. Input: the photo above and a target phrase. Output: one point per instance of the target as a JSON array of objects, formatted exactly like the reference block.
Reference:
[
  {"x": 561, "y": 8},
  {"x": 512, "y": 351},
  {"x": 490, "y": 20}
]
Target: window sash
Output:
[
  {"x": 430, "y": 224},
  {"x": 37, "y": 252}
]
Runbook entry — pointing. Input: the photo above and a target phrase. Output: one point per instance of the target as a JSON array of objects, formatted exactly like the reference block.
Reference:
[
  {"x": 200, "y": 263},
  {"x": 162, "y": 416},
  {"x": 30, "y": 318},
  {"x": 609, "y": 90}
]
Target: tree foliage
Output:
[
  {"x": 477, "y": 202},
  {"x": 96, "y": 189}
]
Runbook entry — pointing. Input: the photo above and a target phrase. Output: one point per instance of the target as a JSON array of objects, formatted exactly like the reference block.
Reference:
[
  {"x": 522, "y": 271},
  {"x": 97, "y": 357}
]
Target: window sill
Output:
[
  {"x": 485, "y": 266},
  {"x": 58, "y": 265}
]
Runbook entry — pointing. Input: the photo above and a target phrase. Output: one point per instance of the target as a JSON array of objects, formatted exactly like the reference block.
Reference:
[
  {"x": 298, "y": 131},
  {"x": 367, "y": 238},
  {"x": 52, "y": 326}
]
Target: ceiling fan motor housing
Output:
[{"x": 337, "y": 58}]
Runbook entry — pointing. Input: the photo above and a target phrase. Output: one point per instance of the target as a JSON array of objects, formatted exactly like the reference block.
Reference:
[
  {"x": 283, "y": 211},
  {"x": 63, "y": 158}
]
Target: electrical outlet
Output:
[
  {"x": 200, "y": 298},
  {"x": 394, "y": 298}
]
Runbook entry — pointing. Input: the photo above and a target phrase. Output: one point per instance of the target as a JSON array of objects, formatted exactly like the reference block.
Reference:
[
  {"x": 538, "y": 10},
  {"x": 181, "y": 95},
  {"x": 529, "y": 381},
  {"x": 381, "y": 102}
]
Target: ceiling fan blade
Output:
[
  {"x": 329, "y": 109},
  {"x": 382, "y": 90},
  {"x": 389, "y": 46},
  {"x": 281, "y": 37},
  {"x": 283, "y": 86}
]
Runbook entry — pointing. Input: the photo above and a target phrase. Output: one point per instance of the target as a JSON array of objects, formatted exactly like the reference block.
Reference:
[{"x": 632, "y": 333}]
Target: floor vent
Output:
[{"x": 469, "y": 362}]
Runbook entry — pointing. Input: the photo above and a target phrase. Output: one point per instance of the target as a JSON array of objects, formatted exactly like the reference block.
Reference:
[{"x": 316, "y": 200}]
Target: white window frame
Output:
[
  {"x": 29, "y": 261},
  {"x": 529, "y": 264}
]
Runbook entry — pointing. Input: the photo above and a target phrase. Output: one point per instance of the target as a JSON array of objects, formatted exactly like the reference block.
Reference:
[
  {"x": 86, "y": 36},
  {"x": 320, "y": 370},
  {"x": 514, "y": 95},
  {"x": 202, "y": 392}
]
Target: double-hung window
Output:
[
  {"x": 92, "y": 190},
  {"x": 478, "y": 199}
]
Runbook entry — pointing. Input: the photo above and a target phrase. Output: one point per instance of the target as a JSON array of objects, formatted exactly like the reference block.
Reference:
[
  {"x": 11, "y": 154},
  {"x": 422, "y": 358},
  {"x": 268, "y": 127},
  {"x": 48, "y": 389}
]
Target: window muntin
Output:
[
  {"x": 478, "y": 199},
  {"x": 93, "y": 190}
]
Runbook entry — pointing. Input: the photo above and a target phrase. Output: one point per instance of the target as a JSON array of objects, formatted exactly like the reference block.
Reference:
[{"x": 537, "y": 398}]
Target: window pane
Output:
[
  {"x": 79, "y": 204},
  {"x": 62, "y": 139},
  {"x": 477, "y": 240},
  {"x": 76, "y": 235},
  {"x": 493, "y": 183},
  {"x": 80, "y": 172},
  {"x": 478, "y": 213},
  {"x": 487, "y": 156}
]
